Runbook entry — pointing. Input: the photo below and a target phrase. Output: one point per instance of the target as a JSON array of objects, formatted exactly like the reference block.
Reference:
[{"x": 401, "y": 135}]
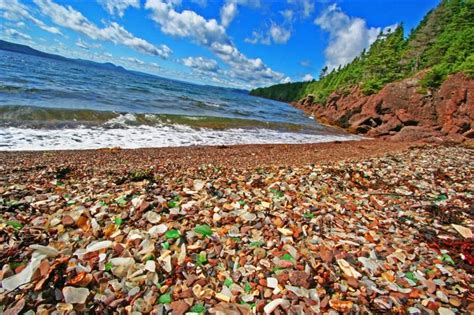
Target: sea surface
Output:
[{"x": 52, "y": 104}]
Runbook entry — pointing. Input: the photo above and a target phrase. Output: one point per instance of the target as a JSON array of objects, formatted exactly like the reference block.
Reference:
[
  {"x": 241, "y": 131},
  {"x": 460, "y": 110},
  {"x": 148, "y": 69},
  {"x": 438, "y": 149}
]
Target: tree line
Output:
[{"x": 442, "y": 43}]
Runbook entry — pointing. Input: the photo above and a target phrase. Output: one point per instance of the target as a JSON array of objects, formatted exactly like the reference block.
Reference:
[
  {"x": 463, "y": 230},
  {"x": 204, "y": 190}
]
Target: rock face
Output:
[{"x": 401, "y": 112}]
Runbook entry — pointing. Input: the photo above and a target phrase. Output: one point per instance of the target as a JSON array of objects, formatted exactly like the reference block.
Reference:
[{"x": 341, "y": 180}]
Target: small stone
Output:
[
  {"x": 16, "y": 309},
  {"x": 326, "y": 254},
  {"x": 179, "y": 307},
  {"x": 45, "y": 250},
  {"x": 222, "y": 297},
  {"x": 248, "y": 216},
  {"x": 383, "y": 303},
  {"x": 62, "y": 308},
  {"x": 431, "y": 286},
  {"x": 161, "y": 229},
  {"x": 165, "y": 263},
  {"x": 152, "y": 217},
  {"x": 198, "y": 184},
  {"x": 74, "y": 295},
  {"x": 455, "y": 302},
  {"x": 445, "y": 311},
  {"x": 299, "y": 279},
  {"x": 267, "y": 293},
  {"x": 265, "y": 204},
  {"x": 67, "y": 220},
  {"x": 353, "y": 282},
  {"x": 341, "y": 306},
  {"x": 414, "y": 311},
  {"x": 216, "y": 217},
  {"x": 286, "y": 232},
  {"x": 133, "y": 291},
  {"x": 150, "y": 265},
  {"x": 228, "y": 206},
  {"x": 272, "y": 283},
  {"x": 348, "y": 269},
  {"x": 140, "y": 305},
  {"x": 443, "y": 298},
  {"x": 96, "y": 246},
  {"x": 122, "y": 261},
  {"x": 464, "y": 231},
  {"x": 260, "y": 253},
  {"x": 247, "y": 298},
  {"x": 270, "y": 307}
]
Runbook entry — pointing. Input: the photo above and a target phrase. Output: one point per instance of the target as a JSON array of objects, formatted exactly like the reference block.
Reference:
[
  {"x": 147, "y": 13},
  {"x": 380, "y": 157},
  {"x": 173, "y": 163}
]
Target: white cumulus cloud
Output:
[
  {"x": 348, "y": 36},
  {"x": 200, "y": 63},
  {"x": 228, "y": 12},
  {"x": 286, "y": 80},
  {"x": 81, "y": 44},
  {"x": 68, "y": 17},
  {"x": 16, "y": 11},
  {"x": 211, "y": 34},
  {"x": 201, "y": 3},
  {"x": 133, "y": 60},
  {"x": 259, "y": 38},
  {"x": 307, "y": 77},
  {"x": 118, "y": 7},
  {"x": 288, "y": 15},
  {"x": 279, "y": 34},
  {"x": 10, "y": 32},
  {"x": 305, "y": 7},
  {"x": 230, "y": 9}
]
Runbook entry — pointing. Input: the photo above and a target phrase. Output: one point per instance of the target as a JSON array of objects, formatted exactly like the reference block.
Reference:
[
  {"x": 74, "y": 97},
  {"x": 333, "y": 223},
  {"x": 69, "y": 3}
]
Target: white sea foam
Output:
[
  {"x": 122, "y": 119},
  {"x": 212, "y": 104},
  {"x": 13, "y": 138}
]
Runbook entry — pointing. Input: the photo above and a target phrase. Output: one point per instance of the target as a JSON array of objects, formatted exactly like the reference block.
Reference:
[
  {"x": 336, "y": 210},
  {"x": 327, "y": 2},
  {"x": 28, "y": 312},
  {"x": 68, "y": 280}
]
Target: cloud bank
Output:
[
  {"x": 118, "y": 7},
  {"x": 211, "y": 34},
  {"x": 15, "y": 11},
  {"x": 348, "y": 36},
  {"x": 68, "y": 17}
]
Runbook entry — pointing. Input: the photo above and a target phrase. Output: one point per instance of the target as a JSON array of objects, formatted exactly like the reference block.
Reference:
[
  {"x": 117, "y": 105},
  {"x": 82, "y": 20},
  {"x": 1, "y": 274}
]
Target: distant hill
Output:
[
  {"x": 27, "y": 50},
  {"x": 443, "y": 43}
]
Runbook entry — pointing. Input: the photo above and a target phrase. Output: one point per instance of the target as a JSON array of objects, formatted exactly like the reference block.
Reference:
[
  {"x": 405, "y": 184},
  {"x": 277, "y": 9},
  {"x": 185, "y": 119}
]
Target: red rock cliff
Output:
[{"x": 400, "y": 112}]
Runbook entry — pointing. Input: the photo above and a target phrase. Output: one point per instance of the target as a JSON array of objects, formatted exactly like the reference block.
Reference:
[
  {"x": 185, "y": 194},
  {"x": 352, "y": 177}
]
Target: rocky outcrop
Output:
[{"x": 401, "y": 111}]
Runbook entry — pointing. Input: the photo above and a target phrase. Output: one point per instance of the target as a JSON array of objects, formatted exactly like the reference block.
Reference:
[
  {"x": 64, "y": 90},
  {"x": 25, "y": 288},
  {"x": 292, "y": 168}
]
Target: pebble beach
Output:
[{"x": 369, "y": 227}]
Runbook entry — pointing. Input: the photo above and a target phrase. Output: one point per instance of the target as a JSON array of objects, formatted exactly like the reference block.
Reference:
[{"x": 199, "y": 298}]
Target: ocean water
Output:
[{"x": 51, "y": 104}]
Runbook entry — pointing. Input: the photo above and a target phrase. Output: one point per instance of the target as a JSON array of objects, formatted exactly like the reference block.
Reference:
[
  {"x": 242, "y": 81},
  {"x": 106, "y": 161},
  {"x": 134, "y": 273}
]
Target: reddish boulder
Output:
[{"x": 400, "y": 111}]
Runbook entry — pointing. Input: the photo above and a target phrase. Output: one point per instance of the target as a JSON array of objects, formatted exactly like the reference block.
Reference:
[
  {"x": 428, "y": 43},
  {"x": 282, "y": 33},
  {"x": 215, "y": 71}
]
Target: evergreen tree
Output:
[{"x": 443, "y": 43}]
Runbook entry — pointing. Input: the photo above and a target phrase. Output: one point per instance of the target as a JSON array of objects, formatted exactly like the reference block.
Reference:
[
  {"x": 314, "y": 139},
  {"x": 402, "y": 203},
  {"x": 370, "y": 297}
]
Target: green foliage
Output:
[
  {"x": 443, "y": 43},
  {"x": 435, "y": 77}
]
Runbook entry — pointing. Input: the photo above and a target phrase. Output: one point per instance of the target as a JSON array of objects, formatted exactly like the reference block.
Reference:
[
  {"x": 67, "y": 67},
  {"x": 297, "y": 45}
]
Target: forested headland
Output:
[{"x": 442, "y": 44}]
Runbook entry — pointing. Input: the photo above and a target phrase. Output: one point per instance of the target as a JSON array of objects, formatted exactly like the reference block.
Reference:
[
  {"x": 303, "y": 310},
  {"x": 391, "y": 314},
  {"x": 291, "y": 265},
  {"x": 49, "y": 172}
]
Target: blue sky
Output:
[{"x": 235, "y": 43}]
